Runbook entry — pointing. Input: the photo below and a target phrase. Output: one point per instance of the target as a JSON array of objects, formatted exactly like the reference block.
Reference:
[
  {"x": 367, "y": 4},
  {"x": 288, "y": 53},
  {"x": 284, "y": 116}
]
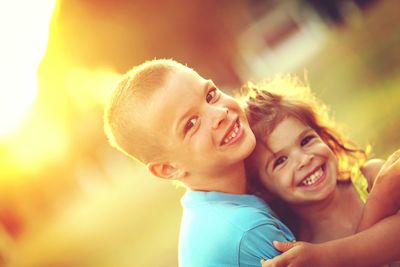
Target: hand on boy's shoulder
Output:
[
  {"x": 302, "y": 254},
  {"x": 260, "y": 228},
  {"x": 257, "y": 243}
]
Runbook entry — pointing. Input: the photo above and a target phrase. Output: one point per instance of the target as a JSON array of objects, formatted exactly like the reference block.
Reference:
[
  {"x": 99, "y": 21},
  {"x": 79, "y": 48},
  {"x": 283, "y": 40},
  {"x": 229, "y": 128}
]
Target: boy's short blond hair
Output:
[{"x": 123, "y": 117}]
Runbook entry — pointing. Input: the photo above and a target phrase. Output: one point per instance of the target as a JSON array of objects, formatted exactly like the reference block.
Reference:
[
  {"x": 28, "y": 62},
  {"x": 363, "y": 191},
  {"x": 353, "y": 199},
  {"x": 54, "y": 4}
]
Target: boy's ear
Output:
[{"x": 165, "y": 170}]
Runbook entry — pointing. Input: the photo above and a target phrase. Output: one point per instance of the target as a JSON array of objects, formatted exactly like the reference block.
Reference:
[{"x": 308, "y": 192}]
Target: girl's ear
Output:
[{"x": 165, "y": 170}]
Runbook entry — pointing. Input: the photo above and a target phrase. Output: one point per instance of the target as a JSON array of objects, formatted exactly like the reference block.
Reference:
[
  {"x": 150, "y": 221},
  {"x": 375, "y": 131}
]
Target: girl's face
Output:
[{"x": 297, "y": 166}]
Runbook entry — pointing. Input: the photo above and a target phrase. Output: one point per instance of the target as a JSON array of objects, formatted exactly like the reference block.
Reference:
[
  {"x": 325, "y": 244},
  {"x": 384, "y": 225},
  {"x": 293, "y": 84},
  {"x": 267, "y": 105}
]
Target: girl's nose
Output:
[
  {"x": 304, "y": 160},
  {"x": 219, "y": 115}
]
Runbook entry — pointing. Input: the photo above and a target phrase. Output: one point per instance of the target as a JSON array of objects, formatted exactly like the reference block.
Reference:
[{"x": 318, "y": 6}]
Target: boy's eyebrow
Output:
[
  {"x": 178, "y": 125},
  {"x": 209, "y": 83}
]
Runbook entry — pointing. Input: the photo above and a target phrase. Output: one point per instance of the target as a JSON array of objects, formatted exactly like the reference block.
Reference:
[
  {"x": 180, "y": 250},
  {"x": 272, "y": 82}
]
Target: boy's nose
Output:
[{"x": 219, "y": 115}]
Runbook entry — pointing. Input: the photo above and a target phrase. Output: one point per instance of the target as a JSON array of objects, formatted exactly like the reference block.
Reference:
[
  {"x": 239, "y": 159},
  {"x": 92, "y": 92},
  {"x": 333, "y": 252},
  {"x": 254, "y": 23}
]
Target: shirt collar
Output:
[{"x": 196, "y": 197}]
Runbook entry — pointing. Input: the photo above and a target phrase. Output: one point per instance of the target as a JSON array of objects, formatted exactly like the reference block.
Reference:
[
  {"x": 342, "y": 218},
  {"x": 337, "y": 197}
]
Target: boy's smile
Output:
[
  {"x": 234, "y": 134},
  {"x": 206, "y": 130}
]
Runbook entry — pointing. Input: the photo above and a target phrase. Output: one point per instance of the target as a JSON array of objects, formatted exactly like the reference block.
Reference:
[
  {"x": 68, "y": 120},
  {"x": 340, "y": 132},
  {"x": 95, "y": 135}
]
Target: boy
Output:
[{"x": 184, "y": 128}]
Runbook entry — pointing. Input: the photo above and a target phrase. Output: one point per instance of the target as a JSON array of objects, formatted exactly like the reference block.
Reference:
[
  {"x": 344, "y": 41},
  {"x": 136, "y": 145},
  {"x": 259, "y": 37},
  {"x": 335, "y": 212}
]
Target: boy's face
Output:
[
  {"x": 298, "y": 166},
  {"x": 205, "y": 130}
]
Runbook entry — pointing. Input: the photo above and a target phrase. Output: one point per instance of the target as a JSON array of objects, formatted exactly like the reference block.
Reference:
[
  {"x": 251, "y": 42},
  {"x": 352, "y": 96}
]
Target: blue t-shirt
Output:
[{"x": 227, "y": 230}]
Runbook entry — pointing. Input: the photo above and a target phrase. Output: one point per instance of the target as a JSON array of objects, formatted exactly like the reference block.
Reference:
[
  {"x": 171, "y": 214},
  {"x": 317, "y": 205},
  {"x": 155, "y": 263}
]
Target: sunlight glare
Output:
[{"x": 24, "y": 26}]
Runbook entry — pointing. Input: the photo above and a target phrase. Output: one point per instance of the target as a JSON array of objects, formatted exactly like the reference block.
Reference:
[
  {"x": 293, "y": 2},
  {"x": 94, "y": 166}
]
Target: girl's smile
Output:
[
  {"x": 299, "y": 158},
  {"x": 314, "y": 179},
  {"x": 296, "y": 164}
]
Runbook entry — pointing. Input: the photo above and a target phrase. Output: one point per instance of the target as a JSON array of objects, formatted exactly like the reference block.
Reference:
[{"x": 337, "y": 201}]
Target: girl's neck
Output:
[{"x": 335, "y": 217}]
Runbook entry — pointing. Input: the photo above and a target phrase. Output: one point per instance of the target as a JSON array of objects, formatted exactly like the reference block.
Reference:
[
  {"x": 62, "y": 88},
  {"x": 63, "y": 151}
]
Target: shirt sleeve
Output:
[{"x": 256, "y": 244}]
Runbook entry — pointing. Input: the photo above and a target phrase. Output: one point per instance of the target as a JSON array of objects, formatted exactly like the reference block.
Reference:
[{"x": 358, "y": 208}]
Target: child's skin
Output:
[
  {"x": 185, "y": 129},
  {"x": 295, "y": 163},
  {"x": 191, "y": 124},
  {"x": 296, "y": 147},
  {"x": 302, "y": 170},
  {"x": 194, "y": 129},
  {"x": 384, "y": 198},
  {"x": 373, "y": 247}
]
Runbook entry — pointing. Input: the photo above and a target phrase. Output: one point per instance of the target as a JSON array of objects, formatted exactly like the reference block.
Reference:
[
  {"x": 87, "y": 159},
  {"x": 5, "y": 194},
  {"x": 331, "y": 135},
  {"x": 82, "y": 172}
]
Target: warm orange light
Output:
[
  {"x": 29, "y": 143},
  {"x": 90, "y": 87},
  {"x": 24, "y": 26}
]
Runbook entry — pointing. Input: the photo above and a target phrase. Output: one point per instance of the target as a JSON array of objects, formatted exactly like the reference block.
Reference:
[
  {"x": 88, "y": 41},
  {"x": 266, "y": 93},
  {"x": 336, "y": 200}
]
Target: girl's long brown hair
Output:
[{"x": 268, "y": 103}]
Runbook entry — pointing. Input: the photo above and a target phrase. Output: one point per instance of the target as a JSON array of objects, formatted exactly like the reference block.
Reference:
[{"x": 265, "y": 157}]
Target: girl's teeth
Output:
[{"x": 313, "y": 177}]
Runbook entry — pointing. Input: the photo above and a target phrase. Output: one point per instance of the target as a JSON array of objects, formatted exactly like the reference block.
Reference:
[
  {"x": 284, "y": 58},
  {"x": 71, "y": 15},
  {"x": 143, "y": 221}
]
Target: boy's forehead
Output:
[
  {"x": 183, "y": 74},
  {"x": 184, "y": 84},
  {"x": 179, "y": 95}
]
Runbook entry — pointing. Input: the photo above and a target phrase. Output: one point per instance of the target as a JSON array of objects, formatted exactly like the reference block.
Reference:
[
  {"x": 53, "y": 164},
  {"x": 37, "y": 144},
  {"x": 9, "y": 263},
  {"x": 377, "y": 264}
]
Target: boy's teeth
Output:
[
  {"x": 232, "y": 133},
  {"x": 313, "y": 177}
]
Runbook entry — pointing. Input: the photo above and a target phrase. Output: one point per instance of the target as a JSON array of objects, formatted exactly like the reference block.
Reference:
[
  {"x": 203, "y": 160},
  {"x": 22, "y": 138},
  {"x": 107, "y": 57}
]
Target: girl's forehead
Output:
[
  {"x": 284, "y": 132},
  {"x": 280, "y": 127}
]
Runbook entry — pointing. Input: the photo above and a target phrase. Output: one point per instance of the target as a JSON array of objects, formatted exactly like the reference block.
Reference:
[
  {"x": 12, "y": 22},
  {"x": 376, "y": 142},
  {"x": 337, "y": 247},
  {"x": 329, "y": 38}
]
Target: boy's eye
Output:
[
  {"x": 190, "y": 124},
  {"x": 211, "y": 95},
  {"x": 306, "y": 140},
  {"x": 279, "y": 161}
]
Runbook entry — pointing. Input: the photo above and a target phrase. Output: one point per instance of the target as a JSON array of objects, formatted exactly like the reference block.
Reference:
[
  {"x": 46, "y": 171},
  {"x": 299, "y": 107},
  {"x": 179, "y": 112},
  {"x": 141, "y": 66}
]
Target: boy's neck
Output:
[{"x": 228, "y": 180}]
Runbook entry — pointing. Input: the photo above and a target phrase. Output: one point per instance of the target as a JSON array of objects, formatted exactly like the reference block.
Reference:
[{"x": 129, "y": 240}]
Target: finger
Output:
[
  {"x": 284, "y": 246},
  {"x": 277, "y": 261},
  {"x": 264, "y": 263}
]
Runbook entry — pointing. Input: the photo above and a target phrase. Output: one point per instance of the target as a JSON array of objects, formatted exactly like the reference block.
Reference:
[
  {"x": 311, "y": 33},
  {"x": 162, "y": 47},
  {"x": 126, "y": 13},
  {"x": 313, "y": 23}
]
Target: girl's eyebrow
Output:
[
  {"x": 268, "y": 163},
  {"x": 271, "y": 156},
  {"x": 304, "y": 133},
  {"x": 274, "y": 154}
]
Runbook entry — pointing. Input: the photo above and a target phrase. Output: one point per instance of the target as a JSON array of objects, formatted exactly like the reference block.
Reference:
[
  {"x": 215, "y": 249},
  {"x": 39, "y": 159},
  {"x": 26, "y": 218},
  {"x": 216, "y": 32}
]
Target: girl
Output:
[{"x": 301, "y": 159}]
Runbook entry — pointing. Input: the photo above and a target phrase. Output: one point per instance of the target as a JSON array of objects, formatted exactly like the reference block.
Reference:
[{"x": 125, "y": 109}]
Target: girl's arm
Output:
[
  {"x": 384, "y": 198},
  {"x": 370, "y": 170},
  {"x": 372, "y": 247},
  {"x": 375, "y": 246}
]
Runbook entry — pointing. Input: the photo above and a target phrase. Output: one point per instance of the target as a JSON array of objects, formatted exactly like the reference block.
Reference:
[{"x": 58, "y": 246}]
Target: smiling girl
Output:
[
  {"x": 316, "y": 180},
  {"x": 302, "y": 159}
]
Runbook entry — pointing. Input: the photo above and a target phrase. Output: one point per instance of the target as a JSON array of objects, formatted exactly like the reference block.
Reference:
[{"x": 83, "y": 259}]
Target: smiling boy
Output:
[{"x": 184, "y": 128}]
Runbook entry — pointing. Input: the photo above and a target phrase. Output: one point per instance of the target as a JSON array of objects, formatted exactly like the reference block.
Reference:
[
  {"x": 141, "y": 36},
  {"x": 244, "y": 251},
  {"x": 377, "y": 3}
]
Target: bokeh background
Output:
[{"x": 69, "y": 200}]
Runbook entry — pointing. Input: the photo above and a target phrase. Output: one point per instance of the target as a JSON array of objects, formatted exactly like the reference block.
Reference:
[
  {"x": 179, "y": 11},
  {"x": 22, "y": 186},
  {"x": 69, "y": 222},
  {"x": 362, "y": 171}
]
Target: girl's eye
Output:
[
  {"x": 306, "y": 140},
  {"x": 211, "y": 95},
  {"x": 190, "y": 124},
  {"x": 279, "y": 161}
]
